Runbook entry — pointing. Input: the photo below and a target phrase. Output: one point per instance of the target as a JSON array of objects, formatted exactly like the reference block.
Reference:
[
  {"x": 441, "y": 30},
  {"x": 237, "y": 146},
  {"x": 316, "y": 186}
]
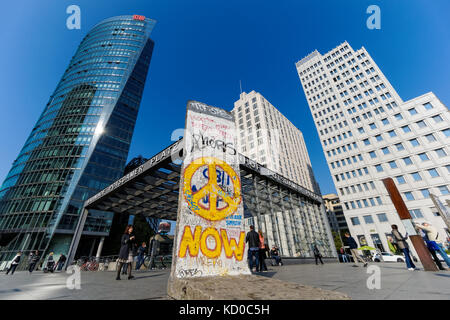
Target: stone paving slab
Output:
[{"x": 246, "y": 287}]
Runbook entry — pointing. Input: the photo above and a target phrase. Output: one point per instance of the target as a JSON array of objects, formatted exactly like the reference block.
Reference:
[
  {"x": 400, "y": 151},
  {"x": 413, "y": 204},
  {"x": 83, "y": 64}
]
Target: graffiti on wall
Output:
[{"x": 210, "y": 236}]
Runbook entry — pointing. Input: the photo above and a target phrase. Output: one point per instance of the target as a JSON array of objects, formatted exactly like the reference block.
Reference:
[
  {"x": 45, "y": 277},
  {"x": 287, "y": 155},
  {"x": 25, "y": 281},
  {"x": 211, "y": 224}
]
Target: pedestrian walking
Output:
[
  {"x": 50, "y": 263},
  {"x": 14, "y": 263},
  {"x": 317, "y": 255},
  {"x": 61, "y": 261},
  {"x": 141, "y": 255},
  {"x": 354, "y": 250},
  {"x": 400, "y": 240},
  {"x": 252, "y": 239},
  {"x": 33, "y": 259},
  {"x": 262, "y": 252},
  {"x": 436, "y": 240},
  {"x": 126, "y": 251}
]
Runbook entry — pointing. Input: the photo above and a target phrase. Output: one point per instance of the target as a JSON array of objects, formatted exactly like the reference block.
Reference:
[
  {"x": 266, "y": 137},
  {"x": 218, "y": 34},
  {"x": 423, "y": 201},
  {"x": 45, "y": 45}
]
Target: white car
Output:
[{"x": 388, "y": 257}]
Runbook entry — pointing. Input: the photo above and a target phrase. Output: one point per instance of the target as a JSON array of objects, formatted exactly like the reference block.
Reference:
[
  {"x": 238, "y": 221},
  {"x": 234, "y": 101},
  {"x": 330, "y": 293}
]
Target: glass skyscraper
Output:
[{"x": 80, "y": 143}]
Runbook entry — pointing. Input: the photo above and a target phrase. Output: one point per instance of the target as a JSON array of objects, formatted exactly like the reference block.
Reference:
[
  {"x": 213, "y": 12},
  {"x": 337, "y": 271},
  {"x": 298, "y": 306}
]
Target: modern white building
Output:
[
  {"x": 268, "y": 137},
  {"x": 369, "y": 133}
]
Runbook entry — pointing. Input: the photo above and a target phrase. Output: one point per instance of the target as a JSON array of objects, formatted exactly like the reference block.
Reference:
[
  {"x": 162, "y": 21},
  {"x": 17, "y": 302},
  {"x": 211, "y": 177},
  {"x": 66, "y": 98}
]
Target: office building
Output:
[
  {"x": 80, "y": 142},
  {"x": 268, "y": 137},
  {"x": 369, "y": 133}
]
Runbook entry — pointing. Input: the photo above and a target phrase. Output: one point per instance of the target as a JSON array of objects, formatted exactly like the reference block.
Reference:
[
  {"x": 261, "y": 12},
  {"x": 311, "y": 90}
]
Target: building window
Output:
[
  {"x": 425, "y": 193},
  {"x": 440, "y": 152},
  {"x": 423, "y": 156},
  {"x": 438, "y": 119},
  {"x": 366, "y": 142},
  {"x": 372, "y": 154},
  {"x": 385, "y": 150},
  {"x": 393, "y": 164},
  {"x": 385, "y": 121},
  {"x": 379, "y": 137},
  {"x": 412, "y": 111},
  {"x": 398, "y": 116},
  {"x": 446, "y": 132},
  {"x": 400, "y": 179},
  {"x": 368, "y": 219},
  {"x": 414, "y": 142},
  {"x": 355, "y": 221},
  {"x": 428, "y": 106},
  {"x": 444, "y": 190},
  {"x": 406, "y": 129},
  {"x": 409, "y": 196},
  {"x": 421, "y": 124},
  {"x": 407, "y": 161},
  {"x": 382, "y": 217},
  {"x": 379, "y": 168},
  {"x": 430, "y": 137},
  {"x": 416, "y": 176},
  {"x": 399, "y": 146},
  {"x": 416, "y": 213},
  {"x": 433, "y": 173},
  {"x": 392, "y": 133}
]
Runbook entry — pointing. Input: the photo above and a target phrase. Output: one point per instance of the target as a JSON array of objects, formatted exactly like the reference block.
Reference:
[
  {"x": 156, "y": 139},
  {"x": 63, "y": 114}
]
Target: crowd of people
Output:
[
  {"x": 33, "y": 260},
  {"x": 258, "y": 251}
]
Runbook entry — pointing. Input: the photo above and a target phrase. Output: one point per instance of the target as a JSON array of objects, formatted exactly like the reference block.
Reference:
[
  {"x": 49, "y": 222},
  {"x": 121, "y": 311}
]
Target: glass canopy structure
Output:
[{"x": 292, "y": 217}]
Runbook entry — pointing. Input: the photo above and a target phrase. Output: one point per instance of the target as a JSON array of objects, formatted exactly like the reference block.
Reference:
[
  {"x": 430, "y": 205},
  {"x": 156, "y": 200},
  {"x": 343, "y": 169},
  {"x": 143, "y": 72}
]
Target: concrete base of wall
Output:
[{"x": 246, "y": 287}]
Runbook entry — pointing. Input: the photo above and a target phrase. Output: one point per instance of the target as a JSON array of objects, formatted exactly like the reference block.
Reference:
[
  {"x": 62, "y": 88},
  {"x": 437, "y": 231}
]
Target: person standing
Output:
[
  {"x": 33, "y": 259},
  {"x": 141, "y": 255},
  {"x": 434, "y": 237},
  {"x": 354, "y": 250},
  {"x": 126, "y": 251},
  {"x": 403, "y": 246},
  {"x": 262, "y": 252},
  {"x": 50, "y": 263},
  {"x": 61, "y": 261},
  {"x": 252, "y": 239},
  {"x": 317, "y": 255},
  {"x": 14, "y": 263}
]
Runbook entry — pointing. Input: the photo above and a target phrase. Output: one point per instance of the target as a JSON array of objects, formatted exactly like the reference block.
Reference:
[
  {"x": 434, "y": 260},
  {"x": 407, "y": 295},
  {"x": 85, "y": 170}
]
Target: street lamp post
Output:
[{"x": 405, "y": 216}]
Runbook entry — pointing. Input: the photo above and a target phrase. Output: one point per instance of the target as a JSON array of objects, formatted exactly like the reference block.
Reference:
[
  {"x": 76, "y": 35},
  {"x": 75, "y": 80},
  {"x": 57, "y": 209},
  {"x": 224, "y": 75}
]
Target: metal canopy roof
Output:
[{"x": 152, "y": 188}]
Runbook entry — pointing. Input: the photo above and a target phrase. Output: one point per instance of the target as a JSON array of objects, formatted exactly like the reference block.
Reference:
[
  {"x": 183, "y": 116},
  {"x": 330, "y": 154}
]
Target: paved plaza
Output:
[{"x": 396, "y": 283}]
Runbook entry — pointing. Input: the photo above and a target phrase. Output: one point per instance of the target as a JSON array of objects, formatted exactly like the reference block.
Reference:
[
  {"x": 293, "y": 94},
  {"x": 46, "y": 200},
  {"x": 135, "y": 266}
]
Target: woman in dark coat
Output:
[{"x": 126, "y": 251}]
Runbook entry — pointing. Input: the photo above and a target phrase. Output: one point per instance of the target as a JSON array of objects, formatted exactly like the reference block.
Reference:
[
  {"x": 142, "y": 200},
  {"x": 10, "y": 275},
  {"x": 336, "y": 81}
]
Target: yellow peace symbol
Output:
[{"x": 212, "y": 189}]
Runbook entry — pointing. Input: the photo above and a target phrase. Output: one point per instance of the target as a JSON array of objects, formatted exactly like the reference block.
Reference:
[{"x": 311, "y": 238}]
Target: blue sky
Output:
[{"x": 202, "y": 50}]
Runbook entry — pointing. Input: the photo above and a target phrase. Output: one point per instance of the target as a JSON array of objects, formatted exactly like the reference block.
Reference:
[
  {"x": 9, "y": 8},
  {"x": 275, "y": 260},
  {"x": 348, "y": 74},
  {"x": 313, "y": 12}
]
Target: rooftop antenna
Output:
[{"x": 240, "y": 85}]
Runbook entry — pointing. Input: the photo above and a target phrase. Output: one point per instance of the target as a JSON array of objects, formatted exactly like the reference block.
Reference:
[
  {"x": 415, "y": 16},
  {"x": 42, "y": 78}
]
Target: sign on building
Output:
[{"x": 210, "y": 235}]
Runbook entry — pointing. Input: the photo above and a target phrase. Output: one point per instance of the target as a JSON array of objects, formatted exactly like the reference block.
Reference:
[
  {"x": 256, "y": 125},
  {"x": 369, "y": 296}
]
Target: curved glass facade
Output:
[{"x": 81, "y": 141}]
